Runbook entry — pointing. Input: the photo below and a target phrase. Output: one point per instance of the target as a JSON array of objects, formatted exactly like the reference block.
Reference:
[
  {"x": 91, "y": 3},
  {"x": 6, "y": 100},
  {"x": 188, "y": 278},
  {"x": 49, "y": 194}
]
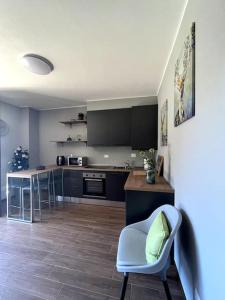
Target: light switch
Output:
[{"x": 134, "y": 155}]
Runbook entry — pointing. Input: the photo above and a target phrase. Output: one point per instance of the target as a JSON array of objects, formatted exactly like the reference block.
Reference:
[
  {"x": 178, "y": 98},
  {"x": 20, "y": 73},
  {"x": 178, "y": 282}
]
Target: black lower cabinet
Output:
[
  {"x": 73, "y": 183},
  {"x": 140, "y": 205},
  {"x": 58, "y": 182},
  {"x": 115, "y": 185}
]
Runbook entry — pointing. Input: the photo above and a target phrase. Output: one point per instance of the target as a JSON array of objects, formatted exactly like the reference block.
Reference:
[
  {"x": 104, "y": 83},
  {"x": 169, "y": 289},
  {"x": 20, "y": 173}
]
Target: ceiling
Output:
[{"x": 100, "y": 49}]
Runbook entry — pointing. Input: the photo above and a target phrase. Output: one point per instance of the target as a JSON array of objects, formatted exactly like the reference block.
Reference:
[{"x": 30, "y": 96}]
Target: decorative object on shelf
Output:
[
  {"x": 79, "y": 137},
  {"x": 184, "y": 81},
  {"x": 80, "y": 116},
  {"x": 20, "y": 160},
  {"x": 164, "y": 124},
  {"x": 149, "y": 157},
  {"x": 69, "y": 139},
  {"x": 159, "y": 165}
]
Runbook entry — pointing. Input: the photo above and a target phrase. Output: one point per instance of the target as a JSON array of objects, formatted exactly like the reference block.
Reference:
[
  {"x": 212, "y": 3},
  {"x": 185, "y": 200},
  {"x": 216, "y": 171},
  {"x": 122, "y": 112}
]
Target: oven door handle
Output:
[{"x": 92, "y": 179}]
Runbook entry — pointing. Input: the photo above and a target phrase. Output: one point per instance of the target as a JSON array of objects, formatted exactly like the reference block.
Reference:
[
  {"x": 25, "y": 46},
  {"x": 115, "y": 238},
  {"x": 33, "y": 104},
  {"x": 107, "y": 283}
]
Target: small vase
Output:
[{"x": 150, "y": 176}]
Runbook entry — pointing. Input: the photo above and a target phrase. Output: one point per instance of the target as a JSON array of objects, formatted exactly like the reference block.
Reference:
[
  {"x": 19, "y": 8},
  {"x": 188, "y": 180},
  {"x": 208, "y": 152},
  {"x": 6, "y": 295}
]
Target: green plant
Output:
[{"x": 150, "y": 157}]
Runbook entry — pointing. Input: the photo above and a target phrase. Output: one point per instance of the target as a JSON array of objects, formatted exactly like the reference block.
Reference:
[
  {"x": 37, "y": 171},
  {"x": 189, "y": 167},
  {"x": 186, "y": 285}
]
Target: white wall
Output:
[
  {"x": 23, "y": 129},
  {"x": 121, "y": 103},
  {"x": 14, "y": 118},
  {"x": 194, "y": 158},
  {"x": 34, "y": 138}
]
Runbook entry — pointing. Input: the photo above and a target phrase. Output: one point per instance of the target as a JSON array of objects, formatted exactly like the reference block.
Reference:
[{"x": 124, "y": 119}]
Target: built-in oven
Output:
[{"x": 94, "y": 185}]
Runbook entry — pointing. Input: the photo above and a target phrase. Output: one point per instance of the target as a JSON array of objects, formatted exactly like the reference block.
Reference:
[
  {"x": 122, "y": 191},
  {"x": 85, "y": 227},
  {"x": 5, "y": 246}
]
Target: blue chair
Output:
[{"x": 131, "y": 249}]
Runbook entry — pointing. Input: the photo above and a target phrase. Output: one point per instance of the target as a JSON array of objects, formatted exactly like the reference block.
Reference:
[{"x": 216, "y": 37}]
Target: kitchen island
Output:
[{"x": 143, "y": 198}]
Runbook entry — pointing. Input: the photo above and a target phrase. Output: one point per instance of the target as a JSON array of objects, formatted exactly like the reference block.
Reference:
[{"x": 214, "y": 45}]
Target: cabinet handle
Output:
[{"x": 92, "y": 179}]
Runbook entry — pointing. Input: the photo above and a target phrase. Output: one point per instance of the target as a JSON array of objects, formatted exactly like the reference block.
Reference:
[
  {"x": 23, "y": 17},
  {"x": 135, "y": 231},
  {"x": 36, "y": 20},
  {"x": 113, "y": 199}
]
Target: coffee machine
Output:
[{"x": 60, "y": 160}]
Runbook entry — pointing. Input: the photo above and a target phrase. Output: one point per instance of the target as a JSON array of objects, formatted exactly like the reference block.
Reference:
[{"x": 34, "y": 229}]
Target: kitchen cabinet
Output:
[
  {"x": 109, "y": 127},
  {"x": 143, "y": 198},
  {"x": 136, "y": 127},
  {"x": 144, "y": 127},
  {"x": 115, "y": 185},
  {"x": 73, "y": 183},
  {"x": 58, "y": 175}
]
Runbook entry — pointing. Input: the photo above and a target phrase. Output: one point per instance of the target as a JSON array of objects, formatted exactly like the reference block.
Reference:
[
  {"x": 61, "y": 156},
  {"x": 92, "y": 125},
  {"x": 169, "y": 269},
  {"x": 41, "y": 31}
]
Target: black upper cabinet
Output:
[
  {"x": 144, "y": 127},
  {"x": 136, "y": 127},
  {"x": 109, "y": 127}
]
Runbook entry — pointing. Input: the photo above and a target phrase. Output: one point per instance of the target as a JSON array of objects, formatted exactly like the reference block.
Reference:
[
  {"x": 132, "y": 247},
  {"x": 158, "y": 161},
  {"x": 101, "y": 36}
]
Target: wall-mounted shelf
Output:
[
  {"x": 68, "y": 142},
  {"x": 73, "y": 122}
]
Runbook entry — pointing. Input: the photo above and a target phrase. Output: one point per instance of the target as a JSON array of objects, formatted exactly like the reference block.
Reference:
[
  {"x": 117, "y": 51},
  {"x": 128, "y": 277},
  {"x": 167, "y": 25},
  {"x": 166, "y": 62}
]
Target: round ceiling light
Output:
[{"x": 37, "y": 64}]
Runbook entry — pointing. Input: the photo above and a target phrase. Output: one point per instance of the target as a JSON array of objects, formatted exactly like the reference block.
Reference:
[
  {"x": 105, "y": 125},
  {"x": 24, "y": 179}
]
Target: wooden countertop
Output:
[
  {"x": 97, "y": 168},
  {"x": 31, "y": 172},
  {"x": 137, "y": 182}
]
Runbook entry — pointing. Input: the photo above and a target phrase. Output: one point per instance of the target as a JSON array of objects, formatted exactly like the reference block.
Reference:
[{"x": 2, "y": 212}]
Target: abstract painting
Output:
[
  {"x": 164, "y": 124},
  {"x": 184, "y": 80}
]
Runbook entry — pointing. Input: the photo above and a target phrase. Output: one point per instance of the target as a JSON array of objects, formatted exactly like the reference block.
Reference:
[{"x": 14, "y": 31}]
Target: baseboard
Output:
[{"x": 94, "y": 201}]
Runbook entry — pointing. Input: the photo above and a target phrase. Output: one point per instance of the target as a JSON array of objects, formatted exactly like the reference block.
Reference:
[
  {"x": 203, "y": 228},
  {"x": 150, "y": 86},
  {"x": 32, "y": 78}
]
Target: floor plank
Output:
[{"x": 71, "y": 255}]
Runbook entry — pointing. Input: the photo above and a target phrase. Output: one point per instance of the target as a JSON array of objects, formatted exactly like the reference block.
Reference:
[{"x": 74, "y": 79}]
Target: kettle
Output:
[{"x": 60, "y": 160}]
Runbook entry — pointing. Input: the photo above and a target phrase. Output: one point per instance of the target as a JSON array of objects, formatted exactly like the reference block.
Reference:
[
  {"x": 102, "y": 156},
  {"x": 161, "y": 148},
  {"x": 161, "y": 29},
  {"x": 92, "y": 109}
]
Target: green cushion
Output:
[{"x": 156, "y": 238}]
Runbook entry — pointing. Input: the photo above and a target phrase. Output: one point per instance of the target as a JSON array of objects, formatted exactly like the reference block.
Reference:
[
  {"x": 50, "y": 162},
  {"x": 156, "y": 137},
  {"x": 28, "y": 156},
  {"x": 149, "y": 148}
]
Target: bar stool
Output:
[
  {"x": 42, "y": 185},
  {"x": 52, "y": 188},
  {"x": 57, "y": 183},
  {"x": 24, "y": 188},
  {"x": 21, "y": 185}
]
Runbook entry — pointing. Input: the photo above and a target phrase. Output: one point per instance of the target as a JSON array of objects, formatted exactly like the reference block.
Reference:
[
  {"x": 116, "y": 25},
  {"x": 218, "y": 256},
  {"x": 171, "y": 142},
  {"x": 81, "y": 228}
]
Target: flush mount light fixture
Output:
[{"x": 37, "y": 64}]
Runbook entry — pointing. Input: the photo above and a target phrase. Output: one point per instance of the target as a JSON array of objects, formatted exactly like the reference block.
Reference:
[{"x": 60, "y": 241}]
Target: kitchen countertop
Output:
[
  {"x": 137, "y": 182},
  {"x": 31, "y": 172},
  {"x": 97, "y": 168}
]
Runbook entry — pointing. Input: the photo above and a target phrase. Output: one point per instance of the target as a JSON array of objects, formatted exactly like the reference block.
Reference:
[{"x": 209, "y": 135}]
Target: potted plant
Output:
[
  {"x": 149, "y": 157},
  {"x": 20, "y": 160}
]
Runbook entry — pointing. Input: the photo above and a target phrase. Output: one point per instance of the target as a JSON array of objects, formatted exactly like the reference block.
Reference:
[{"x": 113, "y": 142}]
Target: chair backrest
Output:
[
  {"x": 172, "y": 214},
  {"x": 174, "y": 218}
]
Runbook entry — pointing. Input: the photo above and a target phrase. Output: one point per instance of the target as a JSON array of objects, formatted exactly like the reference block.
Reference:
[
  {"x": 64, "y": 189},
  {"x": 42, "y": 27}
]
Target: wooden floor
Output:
[{"x": 71, "y": 255}]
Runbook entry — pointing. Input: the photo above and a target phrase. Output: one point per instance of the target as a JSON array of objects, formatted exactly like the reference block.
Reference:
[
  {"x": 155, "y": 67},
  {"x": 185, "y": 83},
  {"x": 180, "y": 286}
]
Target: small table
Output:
[{"x": 20, "y": 193}]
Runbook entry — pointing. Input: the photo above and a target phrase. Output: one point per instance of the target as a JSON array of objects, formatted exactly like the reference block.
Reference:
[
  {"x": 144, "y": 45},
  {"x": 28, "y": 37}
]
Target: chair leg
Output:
[
  {"x": 167, "y": 290},
  {"x": 124, "y": 287}
]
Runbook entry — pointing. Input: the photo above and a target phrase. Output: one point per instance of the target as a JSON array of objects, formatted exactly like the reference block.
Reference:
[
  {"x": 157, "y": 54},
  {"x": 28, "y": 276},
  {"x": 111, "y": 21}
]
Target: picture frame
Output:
[
  {"x": 184, "y": 80},
  {"x": 159, "y": 165},
  {"x": 164, "y": 124}
]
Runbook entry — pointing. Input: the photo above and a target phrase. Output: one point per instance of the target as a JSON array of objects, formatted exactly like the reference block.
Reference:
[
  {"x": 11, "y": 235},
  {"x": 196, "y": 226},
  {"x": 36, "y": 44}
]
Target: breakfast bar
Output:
[{"x": 25, "y": 189}]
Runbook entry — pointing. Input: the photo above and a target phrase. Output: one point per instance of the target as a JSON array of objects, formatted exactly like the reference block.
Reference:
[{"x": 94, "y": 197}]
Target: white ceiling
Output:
[{"x": 101, "y": 49}]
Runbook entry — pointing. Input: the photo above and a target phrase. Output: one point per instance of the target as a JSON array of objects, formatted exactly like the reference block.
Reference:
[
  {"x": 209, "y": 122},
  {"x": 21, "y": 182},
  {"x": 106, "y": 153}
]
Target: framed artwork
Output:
[
  {"x": 184, "y": 80},
  {"x": 159, "y": 165},
  {"x": 164, "y": 124}
]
